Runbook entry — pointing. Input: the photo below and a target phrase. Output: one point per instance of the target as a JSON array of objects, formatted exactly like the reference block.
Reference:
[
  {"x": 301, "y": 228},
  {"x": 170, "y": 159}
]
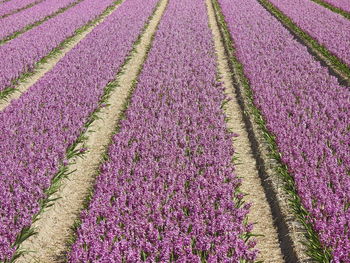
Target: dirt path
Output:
[
  {"x": 42, "y": 68},
  {"x": 54, "y": 224},
  {"x": 260, "y": 211}
]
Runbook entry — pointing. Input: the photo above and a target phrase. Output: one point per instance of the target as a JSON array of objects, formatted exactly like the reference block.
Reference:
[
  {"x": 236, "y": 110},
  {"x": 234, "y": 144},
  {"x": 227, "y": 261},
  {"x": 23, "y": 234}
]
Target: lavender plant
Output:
[
  {"x": 168, "y": 191},
  {"x": 307, "y": 113},
  {"x": 38, "y": 131}
]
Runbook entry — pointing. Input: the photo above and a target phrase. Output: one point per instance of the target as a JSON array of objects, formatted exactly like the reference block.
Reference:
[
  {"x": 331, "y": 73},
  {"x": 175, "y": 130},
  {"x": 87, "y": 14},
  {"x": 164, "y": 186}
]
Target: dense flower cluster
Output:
[
  {"x": 328, "y": 28},
  {"x": 342, "y": 4},
  {"x": 168, "y": 191},
  {"x": 21, "y": 54},
  {"x": 11, "y": 6},
  {"x": 306, "y": 109},
  {"x": 16, "y": 22},
  {"x": 37, "y": 129}
]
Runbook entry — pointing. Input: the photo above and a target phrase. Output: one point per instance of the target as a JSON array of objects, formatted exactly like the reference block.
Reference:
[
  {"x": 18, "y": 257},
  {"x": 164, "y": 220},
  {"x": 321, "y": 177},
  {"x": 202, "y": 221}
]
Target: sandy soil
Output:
[
  {"x": 42, "y": 68},
  {"x": 260, "y": 211},
  {"x": 54, "y": 224}
]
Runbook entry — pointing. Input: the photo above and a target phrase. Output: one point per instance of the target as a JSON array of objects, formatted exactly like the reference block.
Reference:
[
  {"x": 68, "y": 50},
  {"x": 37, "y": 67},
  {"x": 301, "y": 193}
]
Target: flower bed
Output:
[{"x": 330, "y": 29}]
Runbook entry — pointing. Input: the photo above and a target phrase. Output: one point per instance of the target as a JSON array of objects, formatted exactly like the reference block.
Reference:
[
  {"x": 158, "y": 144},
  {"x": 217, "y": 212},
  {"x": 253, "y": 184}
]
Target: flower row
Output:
[
  {"x": 37, "y": 129},
  {"x": 21, "y": 54},
  {"x": 168, "y": 191},
  {"x": 306, "y": 110}
]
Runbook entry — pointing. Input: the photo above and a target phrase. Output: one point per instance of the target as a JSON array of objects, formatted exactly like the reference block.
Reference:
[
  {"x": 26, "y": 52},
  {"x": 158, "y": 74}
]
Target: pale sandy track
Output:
[
  {"x": 54, "y": 224},
  {"x": 42, "y": 68},
  {"x": 260, "y": 211}
]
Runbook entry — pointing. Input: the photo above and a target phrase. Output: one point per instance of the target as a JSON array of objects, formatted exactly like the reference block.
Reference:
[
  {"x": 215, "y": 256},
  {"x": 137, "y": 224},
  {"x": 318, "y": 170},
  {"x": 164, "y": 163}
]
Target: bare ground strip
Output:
[{"x": 260, "y": 212}]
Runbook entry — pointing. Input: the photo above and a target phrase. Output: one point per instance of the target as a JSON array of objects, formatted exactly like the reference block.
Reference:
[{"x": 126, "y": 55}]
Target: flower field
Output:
[
  {"x": 12, "y": 6},
  {"x": 16, "y": 22},
  {"x": 42, "y": 40},
  {"x": 328, "y": 28},
  {"x": 167, "y": 187},
  {"x": 307, "y": 113},
  {"x": 341, "y": 4},
  {"x": 64, "y": 106},
  {"x": 173, "y": 156}
]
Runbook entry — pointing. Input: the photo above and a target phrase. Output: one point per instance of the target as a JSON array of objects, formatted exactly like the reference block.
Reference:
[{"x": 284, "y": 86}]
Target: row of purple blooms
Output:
[
  {"x": 10, "y": 7},
  {"x": 341, "y": 4},
  {"x": 330, "y": 29}
]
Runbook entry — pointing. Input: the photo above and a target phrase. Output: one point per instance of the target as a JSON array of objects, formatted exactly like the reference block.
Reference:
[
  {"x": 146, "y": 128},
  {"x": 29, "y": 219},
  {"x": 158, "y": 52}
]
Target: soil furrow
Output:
[
  {"x": 260, "y": 212},
  {"x": 54, "y": 225}
]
